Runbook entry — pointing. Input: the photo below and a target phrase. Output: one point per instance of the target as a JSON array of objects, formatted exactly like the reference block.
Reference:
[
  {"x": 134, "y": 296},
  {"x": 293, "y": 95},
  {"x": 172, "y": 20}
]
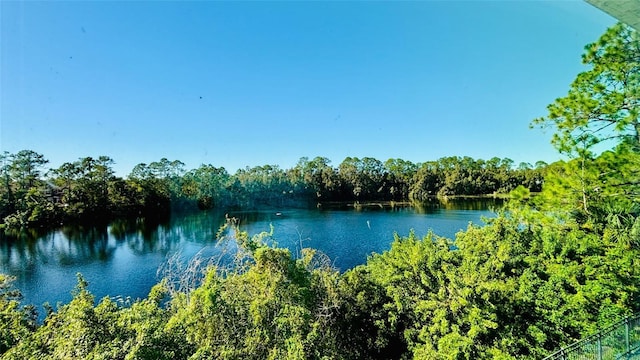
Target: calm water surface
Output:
[{"x": 122, "y": 259}]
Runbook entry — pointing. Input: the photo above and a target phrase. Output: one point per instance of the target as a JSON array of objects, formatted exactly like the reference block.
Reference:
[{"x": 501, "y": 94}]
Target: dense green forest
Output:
[
  {"x": 546, "y": 271},
  {"x": 88, "y": 189}
]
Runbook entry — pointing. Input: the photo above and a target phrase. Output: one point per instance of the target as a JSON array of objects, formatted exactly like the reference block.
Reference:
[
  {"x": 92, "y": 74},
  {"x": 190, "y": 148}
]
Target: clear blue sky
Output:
[{"x": 238, "y": 84}]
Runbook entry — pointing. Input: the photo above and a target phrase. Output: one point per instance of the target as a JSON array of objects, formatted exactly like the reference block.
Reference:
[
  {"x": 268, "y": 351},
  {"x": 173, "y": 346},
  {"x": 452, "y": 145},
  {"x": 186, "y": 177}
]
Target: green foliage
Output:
[
  {"x": 315, "y": 178},
  {"x": 603, "y": 101},
  {"x": 109, "y": 330},
  {"x": 452, "y": 176},
  {"x": 518, "y": 287},
  {"x": 585, "y": 188},
  {"x": 16, "y": 322},
  {"x": 602, "y": 105},
  {"x": 87, "y": 191},
  {"x": 277, "y": 308},
  {"x": 514, "y": 288},
  {"x": 365, "y": 329},
  {"x": 520, "y": 194},
  {"x": 207, "y": 185}
]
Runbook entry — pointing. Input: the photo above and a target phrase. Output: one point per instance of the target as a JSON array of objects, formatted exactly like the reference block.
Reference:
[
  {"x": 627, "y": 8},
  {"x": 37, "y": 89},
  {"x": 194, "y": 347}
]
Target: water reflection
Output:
[
  {"x": 122, "y": 258},
  {"x": 77, "y": 245},
  {"x": 70, "y": 245},
  {"x": 465, "y": 203},
  {"x": 144, "y": 236},
  {"x": 80, "y": 245},
  {"x": 16, "y": 255},
  {"x": 152, "y": 235}
]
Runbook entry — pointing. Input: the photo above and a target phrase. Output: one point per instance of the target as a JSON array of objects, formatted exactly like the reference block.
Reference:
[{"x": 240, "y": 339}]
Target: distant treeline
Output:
[{"x": 89, "y": 190}]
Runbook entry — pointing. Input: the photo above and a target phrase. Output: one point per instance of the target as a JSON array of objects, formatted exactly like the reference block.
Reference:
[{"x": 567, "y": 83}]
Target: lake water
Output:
[{"x": 122, "y": 259}]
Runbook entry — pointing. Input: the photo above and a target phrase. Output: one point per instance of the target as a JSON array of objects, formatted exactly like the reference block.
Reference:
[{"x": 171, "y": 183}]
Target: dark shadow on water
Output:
[
  {"x": 83, "y": 244},
  {"x": 145, "y": 235},
  {"x": 471, "y": 203},
  {"x": 70, "y": 245}
]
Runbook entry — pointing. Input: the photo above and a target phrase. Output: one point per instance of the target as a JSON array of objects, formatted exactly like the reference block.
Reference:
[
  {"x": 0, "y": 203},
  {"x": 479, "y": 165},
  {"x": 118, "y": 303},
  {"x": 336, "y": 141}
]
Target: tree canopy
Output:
[
  {"x": 89, "y": 190},
  {"x": 603, "y": 102}
]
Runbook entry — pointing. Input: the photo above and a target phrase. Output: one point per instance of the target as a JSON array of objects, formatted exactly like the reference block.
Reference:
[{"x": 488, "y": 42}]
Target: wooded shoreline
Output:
[{"x": 88, "y": 191}]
